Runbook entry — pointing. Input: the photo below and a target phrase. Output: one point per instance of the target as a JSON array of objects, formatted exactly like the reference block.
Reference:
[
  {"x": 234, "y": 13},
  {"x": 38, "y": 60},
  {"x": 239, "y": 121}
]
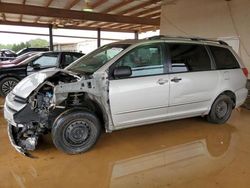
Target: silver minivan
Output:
[{"x": 126, "y": 84}]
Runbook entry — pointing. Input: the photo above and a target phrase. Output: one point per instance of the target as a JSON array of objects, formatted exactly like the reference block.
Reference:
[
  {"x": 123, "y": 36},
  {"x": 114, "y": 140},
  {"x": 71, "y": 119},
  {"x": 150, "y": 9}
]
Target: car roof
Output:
[
  {"x": 179, "y": 39},
  {"x": 4, "y": 50},
  {"x": 36, "y": 48},
  {"x": 58, "y": 52}
]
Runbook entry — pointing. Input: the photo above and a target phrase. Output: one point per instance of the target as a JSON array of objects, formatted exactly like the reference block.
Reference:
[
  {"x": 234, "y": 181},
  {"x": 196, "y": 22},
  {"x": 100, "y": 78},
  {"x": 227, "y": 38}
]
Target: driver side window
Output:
[
  {"x": 46, "y": 60},
  {"x": 144, "y": 60}
]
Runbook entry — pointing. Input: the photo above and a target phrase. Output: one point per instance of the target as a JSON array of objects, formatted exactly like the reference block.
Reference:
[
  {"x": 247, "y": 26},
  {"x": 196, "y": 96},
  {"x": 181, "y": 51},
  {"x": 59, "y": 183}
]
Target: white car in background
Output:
[{"x": 126, "y": 84}]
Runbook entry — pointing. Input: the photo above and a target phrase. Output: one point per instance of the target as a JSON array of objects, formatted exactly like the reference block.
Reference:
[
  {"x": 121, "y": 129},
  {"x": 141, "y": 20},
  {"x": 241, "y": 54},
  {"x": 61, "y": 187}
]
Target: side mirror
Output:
[
  {"x": 122, "y": 72},
  {"x": 36, "y": 67}
]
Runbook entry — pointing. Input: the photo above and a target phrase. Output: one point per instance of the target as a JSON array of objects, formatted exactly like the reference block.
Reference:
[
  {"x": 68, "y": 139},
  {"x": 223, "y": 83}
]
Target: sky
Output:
[{"x": 17, "y": 38}]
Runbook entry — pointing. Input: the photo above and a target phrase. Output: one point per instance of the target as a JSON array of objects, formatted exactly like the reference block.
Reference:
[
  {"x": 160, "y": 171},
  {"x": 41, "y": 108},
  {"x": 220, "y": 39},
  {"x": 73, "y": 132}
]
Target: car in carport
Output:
[
  {"x": 27, "y": 50},
  {"x": 11, "y": 75},
  {"x": 6, "y": 54},
  {"x": 126, "y": 84},
  {"x": 16, "y": 61}
]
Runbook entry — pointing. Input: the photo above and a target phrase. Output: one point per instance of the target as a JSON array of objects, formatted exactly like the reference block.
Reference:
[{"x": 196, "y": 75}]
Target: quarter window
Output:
[
  {"x": 224, "y": 59},
  {"x": 189, "y": 57},
  {"x": 144, "y": 60}
]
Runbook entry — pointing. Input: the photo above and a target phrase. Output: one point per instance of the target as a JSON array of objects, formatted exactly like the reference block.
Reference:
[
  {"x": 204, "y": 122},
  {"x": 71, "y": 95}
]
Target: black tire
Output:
[
  {"x": 221, "y": 110},
  {"x": 75, "y": 131},
  {"x": 7, "y": 84}
]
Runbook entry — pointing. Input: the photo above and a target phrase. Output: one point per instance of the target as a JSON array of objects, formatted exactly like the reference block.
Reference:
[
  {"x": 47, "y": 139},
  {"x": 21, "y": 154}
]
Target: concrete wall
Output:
[
  {"x": 65, "y": 47},
  {"x": 210, "y": 19}
]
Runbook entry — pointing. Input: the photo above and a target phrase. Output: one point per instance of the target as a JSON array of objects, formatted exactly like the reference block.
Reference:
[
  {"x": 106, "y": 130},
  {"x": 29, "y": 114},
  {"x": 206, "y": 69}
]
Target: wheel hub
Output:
[
  {"x": 221, "y": 109},
  {"x": 77, "y": 132},
  {"x": 8, "y": 86}
]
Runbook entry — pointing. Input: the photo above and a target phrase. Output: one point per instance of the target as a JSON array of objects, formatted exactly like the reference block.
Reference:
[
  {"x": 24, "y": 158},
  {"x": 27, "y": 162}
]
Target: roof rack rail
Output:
[{"x": 187, "y": 38}]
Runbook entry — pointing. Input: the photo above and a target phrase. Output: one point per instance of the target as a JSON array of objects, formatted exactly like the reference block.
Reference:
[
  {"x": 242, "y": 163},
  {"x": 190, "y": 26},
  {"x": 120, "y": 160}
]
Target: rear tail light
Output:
[{"x": 245, "y": 71}]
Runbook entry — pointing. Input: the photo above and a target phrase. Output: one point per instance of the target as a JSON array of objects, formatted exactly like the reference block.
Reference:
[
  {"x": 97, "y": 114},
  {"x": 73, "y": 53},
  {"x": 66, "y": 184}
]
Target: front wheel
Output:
[
  {"x": 221, "y": 110},
  {"x": 7, "y": 84},
  {"x": 76, "y": 131}
]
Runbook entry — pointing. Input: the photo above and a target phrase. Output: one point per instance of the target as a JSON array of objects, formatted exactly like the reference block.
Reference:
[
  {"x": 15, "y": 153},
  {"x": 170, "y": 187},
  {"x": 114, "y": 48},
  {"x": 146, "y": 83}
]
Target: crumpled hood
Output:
[{"x": 24, "y": 88}]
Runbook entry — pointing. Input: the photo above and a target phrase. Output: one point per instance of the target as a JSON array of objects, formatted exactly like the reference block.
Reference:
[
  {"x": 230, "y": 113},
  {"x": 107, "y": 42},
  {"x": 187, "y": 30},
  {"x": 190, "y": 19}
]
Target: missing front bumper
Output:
[{"x": 14, "y": 142}]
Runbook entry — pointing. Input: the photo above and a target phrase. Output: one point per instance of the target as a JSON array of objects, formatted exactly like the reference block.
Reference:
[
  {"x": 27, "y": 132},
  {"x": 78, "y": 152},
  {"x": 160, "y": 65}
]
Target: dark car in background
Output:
[
  {"x": 17, "y": 60},
  {"x": 6, "y": 54},
  {"x": 11, "y": 75},
  {"x": 26, "y": 50}
]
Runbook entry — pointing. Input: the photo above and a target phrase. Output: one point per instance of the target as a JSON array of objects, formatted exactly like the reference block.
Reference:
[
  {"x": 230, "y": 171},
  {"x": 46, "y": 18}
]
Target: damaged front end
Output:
[{"x": 31, "y": 107}]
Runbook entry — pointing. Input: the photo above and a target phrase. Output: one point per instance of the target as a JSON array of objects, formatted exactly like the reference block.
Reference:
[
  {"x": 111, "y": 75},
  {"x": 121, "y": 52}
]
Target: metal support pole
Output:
[
  {"x": 136, "y": 35},
  {"x": 51, "y": 47},
  {"x": 98, "y": 37}
]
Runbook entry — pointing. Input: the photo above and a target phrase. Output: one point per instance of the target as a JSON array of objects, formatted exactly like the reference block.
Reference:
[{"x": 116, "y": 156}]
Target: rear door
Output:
[
  {"x": 193, "y": 80},
  {"x": 144, "y": 96}
]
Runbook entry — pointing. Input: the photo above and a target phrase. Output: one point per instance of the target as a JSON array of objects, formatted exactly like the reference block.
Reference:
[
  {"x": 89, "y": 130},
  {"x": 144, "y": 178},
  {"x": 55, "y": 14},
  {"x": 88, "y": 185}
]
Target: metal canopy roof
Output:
[{"x": 107, "y": 15}]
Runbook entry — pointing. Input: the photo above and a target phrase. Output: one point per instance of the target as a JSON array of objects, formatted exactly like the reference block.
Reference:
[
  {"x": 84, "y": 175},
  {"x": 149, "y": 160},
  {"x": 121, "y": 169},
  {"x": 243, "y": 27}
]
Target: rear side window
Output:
[
  {"x": 224, "y": 59},
  {"x": 76, "y": 56},
  {"x": 67, "y": 59},
  {"x": 189, "y": 57}
]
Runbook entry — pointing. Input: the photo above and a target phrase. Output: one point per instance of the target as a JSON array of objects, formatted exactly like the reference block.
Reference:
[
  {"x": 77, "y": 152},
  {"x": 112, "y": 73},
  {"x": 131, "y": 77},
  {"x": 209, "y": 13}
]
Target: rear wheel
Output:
[
  {"x": 7, "y": 84},
  {"x": 76, "y": 131},
  {"x": 221, "y": 110}
]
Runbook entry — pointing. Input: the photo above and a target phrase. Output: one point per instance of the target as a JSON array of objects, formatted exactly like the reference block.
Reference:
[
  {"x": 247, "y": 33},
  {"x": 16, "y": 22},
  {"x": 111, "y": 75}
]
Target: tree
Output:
[
  {"x": 38, "y": 43},
  {"x": 17, "y": 47},
  {"x": 5, "y": 46}
]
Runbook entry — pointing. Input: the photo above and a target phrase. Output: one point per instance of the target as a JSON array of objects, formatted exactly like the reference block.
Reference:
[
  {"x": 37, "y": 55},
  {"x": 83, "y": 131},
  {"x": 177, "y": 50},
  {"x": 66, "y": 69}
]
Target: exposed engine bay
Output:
[{"x": 45, "y": 103}]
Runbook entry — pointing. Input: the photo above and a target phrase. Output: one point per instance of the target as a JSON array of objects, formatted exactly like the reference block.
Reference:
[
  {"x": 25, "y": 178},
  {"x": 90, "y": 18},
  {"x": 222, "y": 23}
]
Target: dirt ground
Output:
[{"x": 184, "y": 153}]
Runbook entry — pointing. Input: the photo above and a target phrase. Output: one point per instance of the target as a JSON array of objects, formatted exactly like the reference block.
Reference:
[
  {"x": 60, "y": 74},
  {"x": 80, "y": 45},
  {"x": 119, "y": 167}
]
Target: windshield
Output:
[
  {"x": 94, "y": 60},
  {"x": 31, "y": 58}
]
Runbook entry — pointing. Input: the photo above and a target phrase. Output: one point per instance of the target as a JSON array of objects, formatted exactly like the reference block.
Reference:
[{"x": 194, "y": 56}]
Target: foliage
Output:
[
  {"x": 31, "y": 43},
  {"x": 38, "y": 43},
  {"x": 5, "y": 46},
  {"x": 17, "y": 47}
]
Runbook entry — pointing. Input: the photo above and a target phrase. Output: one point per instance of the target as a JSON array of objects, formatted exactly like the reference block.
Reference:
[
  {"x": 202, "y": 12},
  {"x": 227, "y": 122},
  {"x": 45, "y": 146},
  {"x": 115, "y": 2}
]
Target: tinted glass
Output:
[
  {"x": 144, "y": 60},
  {"x": 189, "y": 57},
  {"x": 76, "y": 56},
  {"x": 224, "y": 59},
  {"x": 47, "y": 60},
  {"x": 67, "y": 59}
]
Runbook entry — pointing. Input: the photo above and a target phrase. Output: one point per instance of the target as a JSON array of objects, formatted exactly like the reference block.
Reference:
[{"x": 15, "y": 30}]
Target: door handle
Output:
[
  {"x": 162, "y": 81},
  {"x": 175, "y": 79}
]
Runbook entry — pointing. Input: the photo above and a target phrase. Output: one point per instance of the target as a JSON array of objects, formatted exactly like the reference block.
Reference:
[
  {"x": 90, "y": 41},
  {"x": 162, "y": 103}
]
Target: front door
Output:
[{"x": 144, "y": 96}]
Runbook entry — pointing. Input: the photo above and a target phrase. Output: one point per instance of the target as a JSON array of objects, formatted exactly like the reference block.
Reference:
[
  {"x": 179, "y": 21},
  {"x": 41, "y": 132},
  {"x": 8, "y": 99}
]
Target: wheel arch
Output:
[
  {"x": 99, "y": 110},
  {"x": 93, "y": 104},
  {"x": 229, "y": 93},
  {"x": 232, "y": 95},
  {"x": 9, "y": 75}
]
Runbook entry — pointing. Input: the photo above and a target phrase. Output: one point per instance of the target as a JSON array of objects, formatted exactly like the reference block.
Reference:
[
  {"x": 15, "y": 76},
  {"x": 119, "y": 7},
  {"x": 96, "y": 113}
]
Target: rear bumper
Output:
[{"x": 241, "y": 96}]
